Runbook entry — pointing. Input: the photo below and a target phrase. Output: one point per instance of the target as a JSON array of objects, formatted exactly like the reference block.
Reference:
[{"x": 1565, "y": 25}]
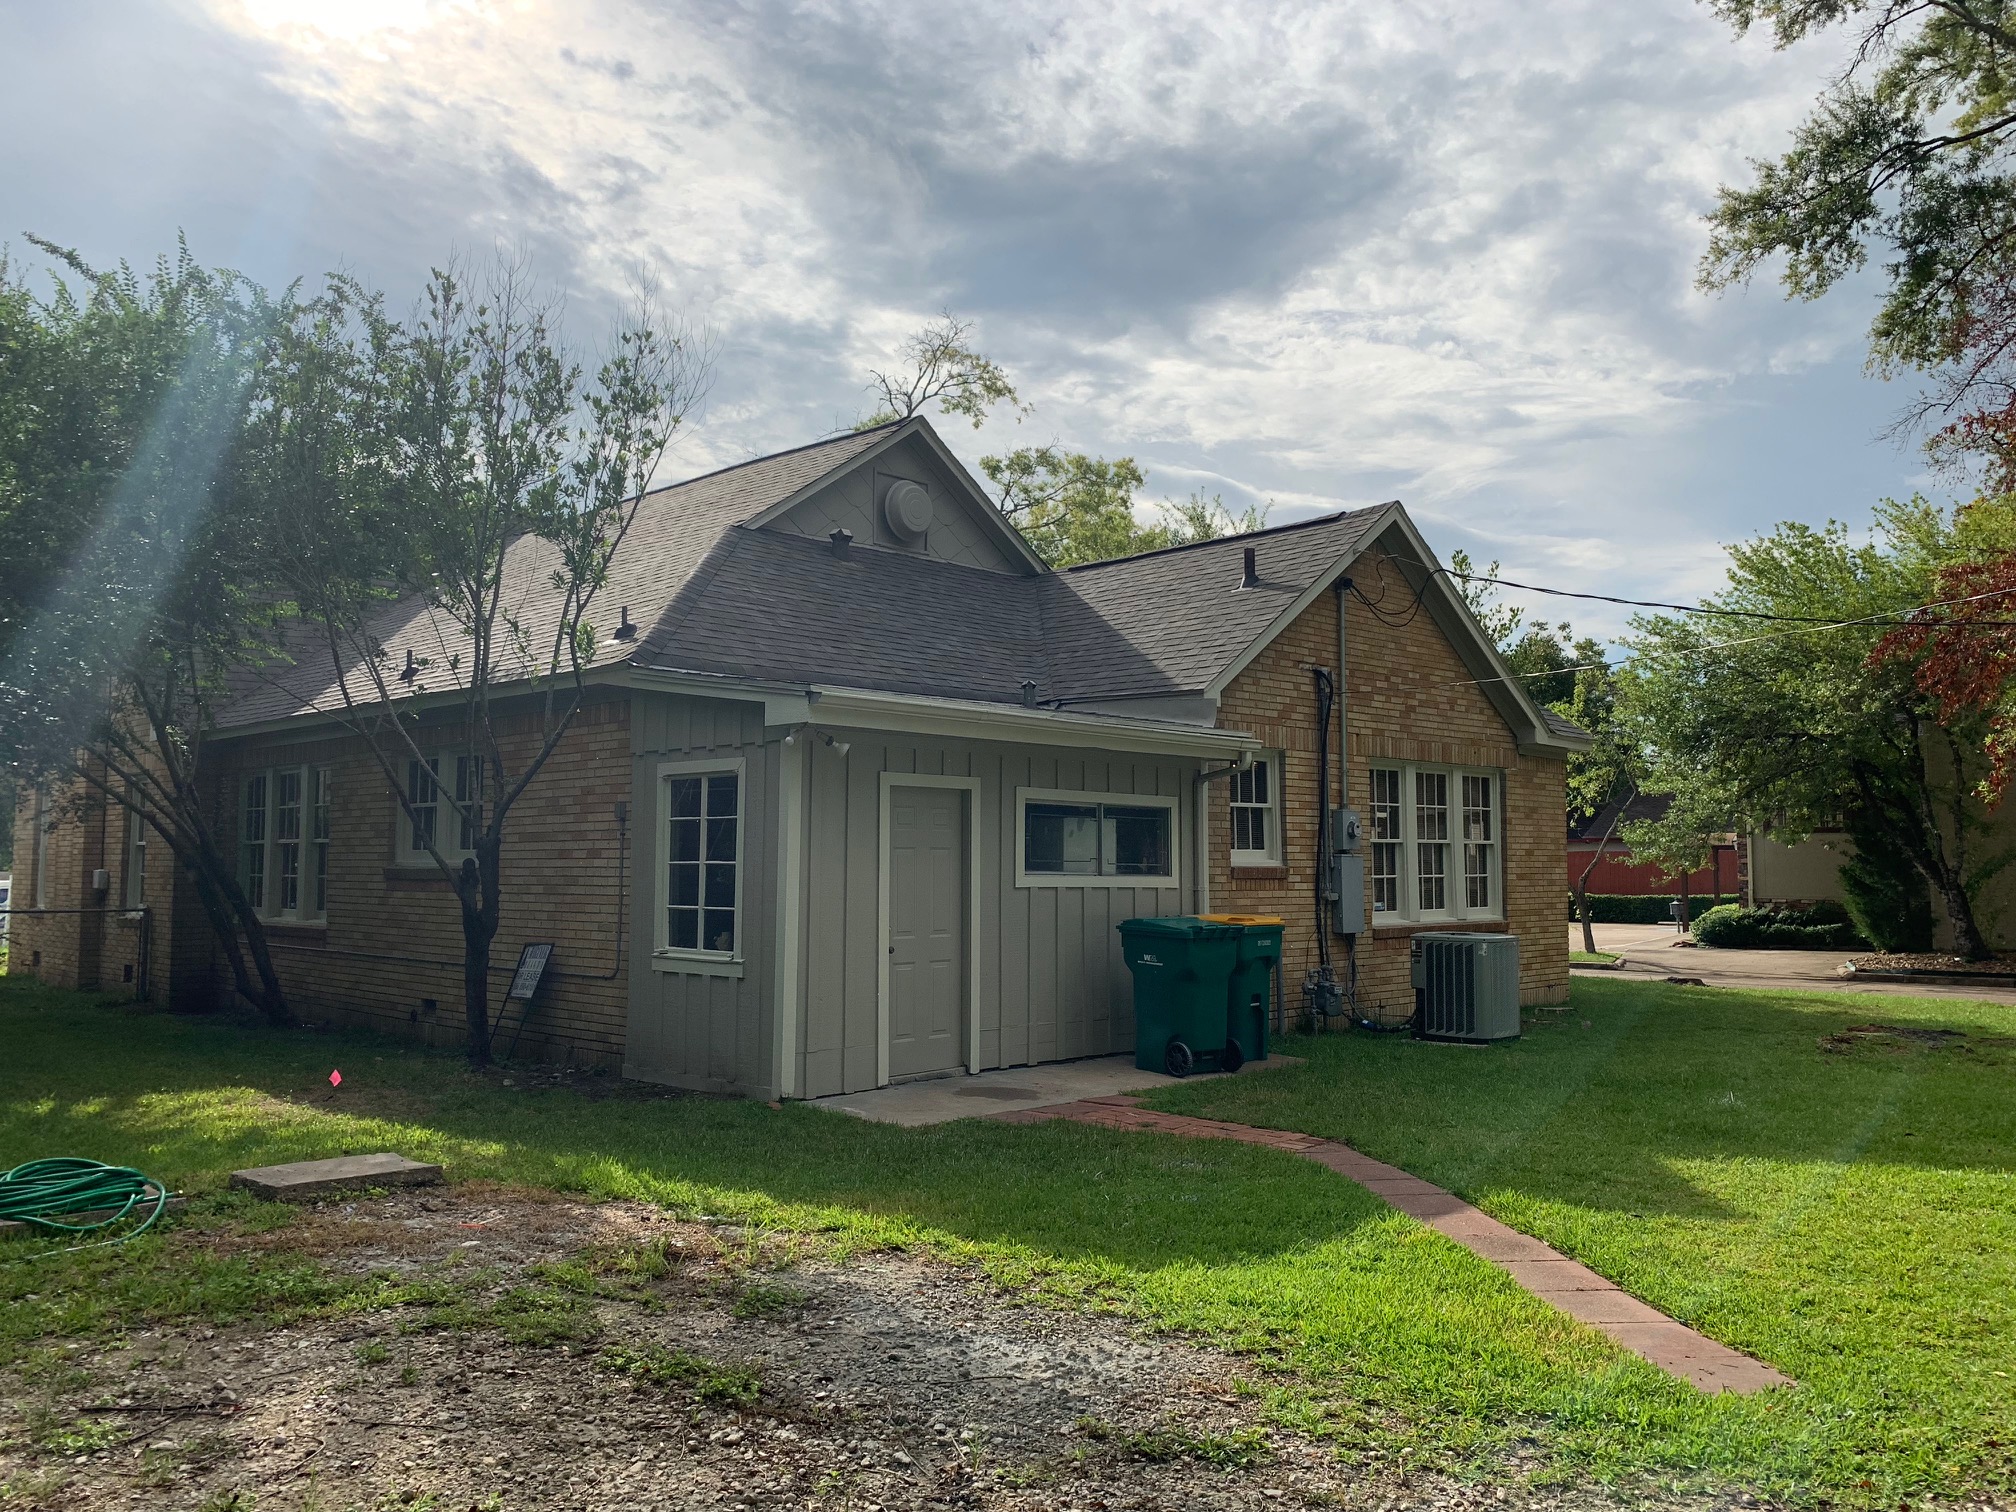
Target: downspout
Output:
[
  {"x": 1200, "y": 876},
  {"x": 790, "y": 888}
]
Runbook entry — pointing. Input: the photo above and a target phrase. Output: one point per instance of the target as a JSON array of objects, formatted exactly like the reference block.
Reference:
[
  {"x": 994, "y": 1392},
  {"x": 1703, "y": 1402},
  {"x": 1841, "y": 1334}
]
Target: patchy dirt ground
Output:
[{"x": 681, "y": 1366}]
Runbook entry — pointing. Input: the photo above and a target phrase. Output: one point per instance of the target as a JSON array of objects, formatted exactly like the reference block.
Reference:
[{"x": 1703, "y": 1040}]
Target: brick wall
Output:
[
  {"x": 1408, "y": 698},
  {"x": 390, "y": 955},
  {"x": 86, "y": 941}
]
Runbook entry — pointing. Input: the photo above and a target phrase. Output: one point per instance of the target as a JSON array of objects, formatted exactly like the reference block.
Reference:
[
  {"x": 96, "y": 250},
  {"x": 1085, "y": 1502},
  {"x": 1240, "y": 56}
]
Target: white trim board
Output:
[
  {"x": 971, "y": 787},
  {"x": 789, "y": 914}
]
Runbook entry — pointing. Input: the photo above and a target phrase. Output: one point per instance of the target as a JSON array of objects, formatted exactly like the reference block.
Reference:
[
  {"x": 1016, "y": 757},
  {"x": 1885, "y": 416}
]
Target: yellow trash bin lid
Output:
[{"x": 1242, "y": 919}]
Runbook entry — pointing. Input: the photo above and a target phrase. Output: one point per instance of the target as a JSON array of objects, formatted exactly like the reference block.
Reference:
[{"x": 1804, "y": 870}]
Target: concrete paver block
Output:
[{"x": 310, "y": 1178}]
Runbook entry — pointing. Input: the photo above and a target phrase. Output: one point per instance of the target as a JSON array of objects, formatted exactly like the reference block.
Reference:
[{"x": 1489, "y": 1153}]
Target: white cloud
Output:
[{"x": 1319, "y": 253}]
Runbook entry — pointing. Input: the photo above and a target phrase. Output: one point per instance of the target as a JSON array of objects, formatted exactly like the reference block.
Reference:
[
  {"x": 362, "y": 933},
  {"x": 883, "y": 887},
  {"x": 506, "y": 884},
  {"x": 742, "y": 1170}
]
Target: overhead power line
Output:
[{"x": 1898, "y": 617}]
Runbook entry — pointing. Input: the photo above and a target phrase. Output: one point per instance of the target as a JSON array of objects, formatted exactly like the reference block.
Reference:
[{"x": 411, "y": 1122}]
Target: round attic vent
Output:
[{"x": 907, "y": 509}]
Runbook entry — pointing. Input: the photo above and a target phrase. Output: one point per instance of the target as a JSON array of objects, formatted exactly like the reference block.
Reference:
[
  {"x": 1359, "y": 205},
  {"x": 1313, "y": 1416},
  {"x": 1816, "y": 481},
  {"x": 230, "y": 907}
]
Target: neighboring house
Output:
[
  {"x": 868, "y": 791},
  {"x": 1617, "y": 872}
]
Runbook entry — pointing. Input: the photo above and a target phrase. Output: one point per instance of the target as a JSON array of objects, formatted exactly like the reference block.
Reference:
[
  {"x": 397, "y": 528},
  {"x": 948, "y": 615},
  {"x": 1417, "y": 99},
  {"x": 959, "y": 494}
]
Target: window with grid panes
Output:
[
  {"x": 283, "y": 843},
  {"x": 449, "y": 826},
  {"x": 1385, "y": 837},
  {"x": 1431, "y": 841},
  {"x": 1480, "y": 841},
  {"x": 1255, "y": 796},
  {"x": 703, "y": 817},
  {"x": 1435, "y": 843}
]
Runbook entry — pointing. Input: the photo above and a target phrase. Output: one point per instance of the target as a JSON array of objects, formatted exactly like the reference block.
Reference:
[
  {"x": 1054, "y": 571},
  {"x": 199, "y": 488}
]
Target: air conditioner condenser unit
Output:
[{"x": 1466, "y": 987}]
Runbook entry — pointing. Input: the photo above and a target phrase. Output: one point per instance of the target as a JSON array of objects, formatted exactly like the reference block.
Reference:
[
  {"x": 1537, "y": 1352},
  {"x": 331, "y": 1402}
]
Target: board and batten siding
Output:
[
  {"x": 689, "y": 1027},
  {"x": 1052, "y": 982}
]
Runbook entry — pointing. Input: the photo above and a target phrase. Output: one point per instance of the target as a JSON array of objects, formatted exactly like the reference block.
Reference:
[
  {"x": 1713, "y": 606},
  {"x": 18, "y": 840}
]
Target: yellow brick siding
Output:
[
  {"x": 393, "y": 939},
  {"x": 107, "y": 947},
  {"x": 1408, "y": 697}
]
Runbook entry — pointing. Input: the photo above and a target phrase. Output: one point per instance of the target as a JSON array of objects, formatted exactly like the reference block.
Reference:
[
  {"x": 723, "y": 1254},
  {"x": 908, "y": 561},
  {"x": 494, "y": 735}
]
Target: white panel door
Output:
[{"x": 927, "y": 930}]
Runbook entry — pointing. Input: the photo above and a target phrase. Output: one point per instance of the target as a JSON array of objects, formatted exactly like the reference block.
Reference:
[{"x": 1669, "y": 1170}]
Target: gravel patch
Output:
[{"x": 886, "y": 1381}]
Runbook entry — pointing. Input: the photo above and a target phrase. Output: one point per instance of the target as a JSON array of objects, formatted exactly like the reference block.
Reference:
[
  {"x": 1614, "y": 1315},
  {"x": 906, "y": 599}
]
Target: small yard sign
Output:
[{"x": 531, "y": 966}]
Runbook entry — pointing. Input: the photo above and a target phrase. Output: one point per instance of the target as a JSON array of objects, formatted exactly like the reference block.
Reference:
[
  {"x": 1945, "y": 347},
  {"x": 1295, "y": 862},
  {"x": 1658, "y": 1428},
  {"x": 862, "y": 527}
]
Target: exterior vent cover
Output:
[
  {"x": 906, "y": 509},
  {"x": 1466, "y": 987}
]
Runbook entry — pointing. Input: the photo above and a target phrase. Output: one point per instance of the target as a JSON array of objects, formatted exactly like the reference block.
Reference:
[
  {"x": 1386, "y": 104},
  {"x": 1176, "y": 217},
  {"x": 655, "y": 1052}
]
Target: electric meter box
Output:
[{"x": 1347, "y": 890}]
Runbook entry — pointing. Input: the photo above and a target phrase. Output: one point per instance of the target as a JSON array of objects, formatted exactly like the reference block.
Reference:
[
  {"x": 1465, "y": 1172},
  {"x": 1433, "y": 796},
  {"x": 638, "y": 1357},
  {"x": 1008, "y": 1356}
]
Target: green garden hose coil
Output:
[{"x": 43, "y": 1193}]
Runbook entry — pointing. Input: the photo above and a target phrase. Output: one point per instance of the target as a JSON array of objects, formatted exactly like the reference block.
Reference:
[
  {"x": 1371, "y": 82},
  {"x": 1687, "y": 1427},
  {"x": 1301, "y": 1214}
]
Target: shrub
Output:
[
  {"x": 1632, "y": 908},
  {"x": 1825, "y": 926}
]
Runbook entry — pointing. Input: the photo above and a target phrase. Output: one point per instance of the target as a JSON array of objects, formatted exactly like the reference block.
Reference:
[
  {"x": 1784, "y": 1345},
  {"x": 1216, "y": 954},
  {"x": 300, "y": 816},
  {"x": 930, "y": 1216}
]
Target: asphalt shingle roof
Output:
[{"x": 711, "y": 594}]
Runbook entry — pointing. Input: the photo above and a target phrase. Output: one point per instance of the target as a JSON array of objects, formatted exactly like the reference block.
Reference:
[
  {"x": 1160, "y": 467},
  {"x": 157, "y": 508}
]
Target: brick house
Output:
[{"x": 866, "y": 791}]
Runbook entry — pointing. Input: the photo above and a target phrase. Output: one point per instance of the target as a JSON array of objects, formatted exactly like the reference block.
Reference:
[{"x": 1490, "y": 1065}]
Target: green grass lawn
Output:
[
  {"x": 1590, "y": 958},
  {"x": 1844, "y": 1208},
  {"x": 1848, "y": 1217}
]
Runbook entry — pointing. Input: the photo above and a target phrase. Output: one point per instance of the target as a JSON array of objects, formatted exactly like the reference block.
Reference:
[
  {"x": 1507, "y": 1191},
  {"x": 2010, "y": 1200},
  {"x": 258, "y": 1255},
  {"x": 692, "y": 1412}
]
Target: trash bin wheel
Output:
[
  {"x": 1232, "y": 1057},
  {"x": 1177, "y": 1059}
]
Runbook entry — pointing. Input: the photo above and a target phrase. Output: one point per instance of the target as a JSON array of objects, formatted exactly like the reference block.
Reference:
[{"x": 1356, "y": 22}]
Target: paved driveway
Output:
[{"x": 1655, "y": 950}]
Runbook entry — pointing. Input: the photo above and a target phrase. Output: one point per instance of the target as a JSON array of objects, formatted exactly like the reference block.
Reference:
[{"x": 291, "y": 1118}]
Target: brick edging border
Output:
[{"x": 1542, "y": 1270}]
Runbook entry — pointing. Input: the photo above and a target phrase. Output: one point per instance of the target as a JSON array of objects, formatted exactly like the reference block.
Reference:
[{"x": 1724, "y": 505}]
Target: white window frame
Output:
[
  {"x": 448, "y": 760},
  {"x": 1026, "y": 878},
  {"x": 666, "y": 956},
  {"x": 133, "y": 880},
  {"x": 1455, "y": 875},
  {"x": 1241, "y": 782},
  {"x": 39, "y": 852},
  {"x": 268, "y": 846}
]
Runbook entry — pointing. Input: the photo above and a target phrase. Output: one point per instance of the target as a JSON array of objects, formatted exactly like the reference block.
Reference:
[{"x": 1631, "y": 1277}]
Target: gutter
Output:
[{"x": 973, "y": 720}]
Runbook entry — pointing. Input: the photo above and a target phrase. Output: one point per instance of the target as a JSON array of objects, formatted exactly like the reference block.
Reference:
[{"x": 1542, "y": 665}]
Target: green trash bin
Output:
[
  {"x": 1182, "y": 970},
  {"x": 1252, "y": 984}
]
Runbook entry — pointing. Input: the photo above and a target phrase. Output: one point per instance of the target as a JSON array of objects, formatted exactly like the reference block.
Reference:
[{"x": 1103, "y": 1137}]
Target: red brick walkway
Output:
[{"x": 1543, "y": 1271}]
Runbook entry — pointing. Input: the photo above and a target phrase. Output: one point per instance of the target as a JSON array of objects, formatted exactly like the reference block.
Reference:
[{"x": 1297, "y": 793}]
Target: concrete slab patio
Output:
[{"x": 945, "y": 1098}]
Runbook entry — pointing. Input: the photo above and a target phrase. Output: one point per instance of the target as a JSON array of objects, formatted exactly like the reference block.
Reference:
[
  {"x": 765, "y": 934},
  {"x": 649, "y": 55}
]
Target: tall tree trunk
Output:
[
  {"x": 477, "y": 887},
  {"x": 1595, "y": 858},
  {"x": 1684, "y": 900}
]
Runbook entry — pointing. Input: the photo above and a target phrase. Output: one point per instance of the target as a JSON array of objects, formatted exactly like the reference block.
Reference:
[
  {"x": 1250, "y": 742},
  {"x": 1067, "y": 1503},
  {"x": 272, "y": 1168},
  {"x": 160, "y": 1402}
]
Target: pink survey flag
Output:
[{"x": 335, "y": 1078}]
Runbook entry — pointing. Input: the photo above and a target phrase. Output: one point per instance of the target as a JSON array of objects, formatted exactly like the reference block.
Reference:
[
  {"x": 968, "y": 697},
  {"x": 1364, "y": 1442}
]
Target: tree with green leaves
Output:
[
  {"x": 129, "y": 574},
  {"x": 1776, "y": 714},
  {"x": 1074, "y": 508},
  {"x": 462, "y": 465},
  {"x": 1907, "y": 152},
  {"x": 939, "y": 366}
]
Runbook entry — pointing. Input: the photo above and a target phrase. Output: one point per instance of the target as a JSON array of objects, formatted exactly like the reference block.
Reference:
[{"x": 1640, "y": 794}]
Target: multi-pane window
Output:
[
  {"x": 136, "y": 860},
  {"x": 423, "y": 800},
  {"x": 283, "y": 842},
  {"x": 287, "y": 839},
  {"x": 1385, "y": 838},
  {"x": 435, "y": 822},
  {"x": 40, "y": 857},
  {"x": 1434, "y": 842},
  {"x": 469, "y": 795},
  {"x": 1066, "y": 837},
  {"x": 1256, "y": 812},
  {"x": 1480, "y": 841},
  {"x": 1431, "y": 841},
  {"x": 318, "y": 843},
  {"x": 703, "y": 850},
  {"x": 252, "y": 841}
]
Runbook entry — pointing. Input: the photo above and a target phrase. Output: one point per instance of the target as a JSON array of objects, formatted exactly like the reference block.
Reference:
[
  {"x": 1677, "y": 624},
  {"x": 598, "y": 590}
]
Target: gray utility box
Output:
[
  {"x": 1466, "y": 987},
  {"x": 1346, "y": 889},
  {"x": 1347, "y": 894}
]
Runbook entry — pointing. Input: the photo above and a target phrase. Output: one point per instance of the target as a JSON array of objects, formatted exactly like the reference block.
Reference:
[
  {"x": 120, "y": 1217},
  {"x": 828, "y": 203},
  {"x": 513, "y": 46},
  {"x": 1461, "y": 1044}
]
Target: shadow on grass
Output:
[
  {"x": 194, "y": 1098},
  {"x": 1609, "y": 1104}
]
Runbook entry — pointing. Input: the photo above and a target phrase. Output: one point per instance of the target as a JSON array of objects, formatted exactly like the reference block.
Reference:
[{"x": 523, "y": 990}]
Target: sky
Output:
[{"x": 1308, "y": 255}]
